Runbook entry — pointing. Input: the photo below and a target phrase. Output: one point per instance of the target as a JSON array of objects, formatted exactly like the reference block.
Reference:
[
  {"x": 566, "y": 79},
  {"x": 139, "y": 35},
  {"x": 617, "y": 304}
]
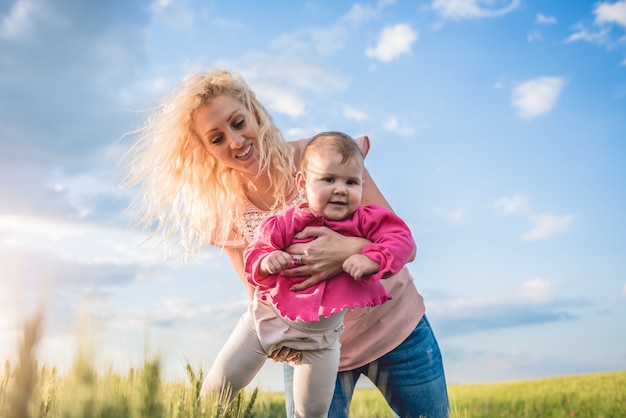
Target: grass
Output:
[
  {"x": 28, "y": 390},
  {"x": 597, "y": 395}
]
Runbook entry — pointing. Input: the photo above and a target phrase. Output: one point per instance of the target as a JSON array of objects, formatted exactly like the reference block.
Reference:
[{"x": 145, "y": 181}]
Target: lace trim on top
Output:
[{"x": 253, "y": 216}]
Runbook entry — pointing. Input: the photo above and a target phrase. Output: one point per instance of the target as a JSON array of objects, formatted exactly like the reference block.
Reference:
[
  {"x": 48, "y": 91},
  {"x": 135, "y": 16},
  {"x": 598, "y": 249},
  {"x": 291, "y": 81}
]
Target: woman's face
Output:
[{"x": 230, "y": 133}]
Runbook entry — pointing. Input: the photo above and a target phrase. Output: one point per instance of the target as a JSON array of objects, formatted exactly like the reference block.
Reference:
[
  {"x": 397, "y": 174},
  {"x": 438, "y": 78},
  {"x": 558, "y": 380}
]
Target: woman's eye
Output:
[
  {"x": 239, "y": 124},
  {"x": 217, "y": 140}
]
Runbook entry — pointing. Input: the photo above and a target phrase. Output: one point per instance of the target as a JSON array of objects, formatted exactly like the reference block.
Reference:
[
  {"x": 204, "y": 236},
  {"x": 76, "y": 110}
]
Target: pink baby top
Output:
[{"x": 391, "y": 246}]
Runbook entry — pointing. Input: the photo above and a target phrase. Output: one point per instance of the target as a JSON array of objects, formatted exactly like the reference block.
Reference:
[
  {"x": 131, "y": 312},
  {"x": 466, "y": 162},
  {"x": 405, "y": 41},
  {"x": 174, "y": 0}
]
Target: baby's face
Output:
[{"x": 333, "y": 189}]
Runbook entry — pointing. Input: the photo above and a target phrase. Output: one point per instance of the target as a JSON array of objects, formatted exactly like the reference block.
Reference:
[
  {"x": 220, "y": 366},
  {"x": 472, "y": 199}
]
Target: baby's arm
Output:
[
  {"x": 359, "y": 266},
  {"x": 274, "y": 262},
  {"x": 392, "y": 243}
]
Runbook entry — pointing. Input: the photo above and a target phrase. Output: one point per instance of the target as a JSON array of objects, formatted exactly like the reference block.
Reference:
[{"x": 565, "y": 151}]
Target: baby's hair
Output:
[{"x": 340, "y": 142}]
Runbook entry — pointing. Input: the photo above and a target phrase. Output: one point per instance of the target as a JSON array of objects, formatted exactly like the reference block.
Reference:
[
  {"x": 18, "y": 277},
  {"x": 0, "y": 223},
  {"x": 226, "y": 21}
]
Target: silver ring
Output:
[{"x": 297, "y": 258}]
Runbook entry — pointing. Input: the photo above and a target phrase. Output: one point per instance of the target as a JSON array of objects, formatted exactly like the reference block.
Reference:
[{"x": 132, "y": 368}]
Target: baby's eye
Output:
[
  {"x": 352, "y": 182},
  {"x": 329, "y": 179}
]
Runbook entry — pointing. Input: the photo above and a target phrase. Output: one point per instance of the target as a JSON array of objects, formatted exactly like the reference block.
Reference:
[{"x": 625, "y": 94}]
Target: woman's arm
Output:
[
  {"x": 235, "y": 255},
  {"x": 373, "y": 196},
  {"x": 371, "y": 193}
]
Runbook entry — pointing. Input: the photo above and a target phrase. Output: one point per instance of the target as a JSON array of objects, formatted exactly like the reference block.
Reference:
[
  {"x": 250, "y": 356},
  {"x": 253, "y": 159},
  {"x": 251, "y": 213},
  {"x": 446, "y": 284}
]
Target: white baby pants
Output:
[{"x": 262, "y": 330}]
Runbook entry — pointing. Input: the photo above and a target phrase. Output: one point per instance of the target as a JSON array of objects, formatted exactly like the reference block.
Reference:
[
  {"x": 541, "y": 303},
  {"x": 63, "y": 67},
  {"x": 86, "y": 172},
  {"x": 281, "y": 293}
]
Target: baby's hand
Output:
[
  {"x": 359, "y": 266},
  {"x": 275, "y": 262}
]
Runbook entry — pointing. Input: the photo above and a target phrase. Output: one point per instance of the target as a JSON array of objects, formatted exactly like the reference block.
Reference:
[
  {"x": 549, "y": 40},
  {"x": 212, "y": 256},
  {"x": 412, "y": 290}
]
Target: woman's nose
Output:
[{"x": 235, "y": 140}]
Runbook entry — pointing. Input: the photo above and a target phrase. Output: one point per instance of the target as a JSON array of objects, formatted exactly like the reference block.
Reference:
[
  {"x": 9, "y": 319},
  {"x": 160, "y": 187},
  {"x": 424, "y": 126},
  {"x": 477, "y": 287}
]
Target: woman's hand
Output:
[
  {"x": 287, "y": 354},
  {"x": 323, "y": 257}
]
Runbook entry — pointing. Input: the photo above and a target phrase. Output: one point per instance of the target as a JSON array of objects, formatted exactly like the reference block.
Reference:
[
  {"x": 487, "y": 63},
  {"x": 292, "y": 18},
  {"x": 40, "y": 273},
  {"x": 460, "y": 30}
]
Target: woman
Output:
[
  {"x": 210, "y": 165},
  {"x": 311, "y": 321}
]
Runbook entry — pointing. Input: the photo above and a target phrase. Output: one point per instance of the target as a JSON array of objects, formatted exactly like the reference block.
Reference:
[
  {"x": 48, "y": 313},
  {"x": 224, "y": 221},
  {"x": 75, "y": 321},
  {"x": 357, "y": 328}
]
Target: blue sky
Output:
[{"x": 498, "y": 133}]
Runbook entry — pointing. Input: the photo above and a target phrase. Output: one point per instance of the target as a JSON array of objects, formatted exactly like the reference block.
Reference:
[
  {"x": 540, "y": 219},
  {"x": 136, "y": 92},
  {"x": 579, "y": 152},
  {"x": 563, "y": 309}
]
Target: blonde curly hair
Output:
[{"x": 183, "y": 193}]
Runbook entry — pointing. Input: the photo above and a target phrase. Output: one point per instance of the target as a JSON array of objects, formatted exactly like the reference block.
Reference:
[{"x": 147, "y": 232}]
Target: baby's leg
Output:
[
  {"x": 314, "y": 382},
  {"x": 237, "y": 363}
]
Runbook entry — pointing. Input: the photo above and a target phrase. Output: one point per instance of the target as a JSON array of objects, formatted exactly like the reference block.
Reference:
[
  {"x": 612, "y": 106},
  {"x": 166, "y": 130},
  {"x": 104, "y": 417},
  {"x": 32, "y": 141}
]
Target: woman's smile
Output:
[{"x": 247, "y": 151}]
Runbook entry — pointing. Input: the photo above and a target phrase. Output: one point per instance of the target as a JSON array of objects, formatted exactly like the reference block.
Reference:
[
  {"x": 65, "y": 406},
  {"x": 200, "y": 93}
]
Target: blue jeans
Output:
[{"x": 410, "y": 377}]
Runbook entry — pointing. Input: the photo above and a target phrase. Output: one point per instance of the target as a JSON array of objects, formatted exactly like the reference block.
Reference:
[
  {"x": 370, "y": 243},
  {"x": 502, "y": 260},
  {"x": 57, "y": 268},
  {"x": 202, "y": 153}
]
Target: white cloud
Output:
[
  {"x": 186, "y": 310},
  {"x": 537, "y": 96},
  {"x": 454, "y": 216},
  {"x": 77, "y": 242},
  {"x": 547, "y": 225},
  {"x": 392, "y": 124},
  {"x": 541, "y": 19},
  {"x": 546, "y": 20},
  {"x": 328, "y": 40},
  {"x": 286, "y": 83},
  {"x": 457, "y": 215},
  {"x": 158, "y": 85},
  {"x": 583, "y": 34},
  {"x": 472, "y": 9},
  {"x": 173, "y": 14},
  {"x": 393, "y": 42},
  {"x": 514, "y": 204},
  {"x": 23, "y": 17},
  {"x": 293, "y": 134},
  {"x": 537, "y": 290},
  {"x": 284, "y": 101},
  {"x": 606, "y": 14},
  {"x": 611, "y": 13},
  {"x": 534, "y": 36},
  {"x": 354, "y": 114},
  {"x": 532, "y": 303},
  {"x": 360, "y": 13}
]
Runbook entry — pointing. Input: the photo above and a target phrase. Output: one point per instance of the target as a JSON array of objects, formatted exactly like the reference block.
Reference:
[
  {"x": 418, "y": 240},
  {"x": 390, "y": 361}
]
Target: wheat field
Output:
[{"x": 31, "y": 390}]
